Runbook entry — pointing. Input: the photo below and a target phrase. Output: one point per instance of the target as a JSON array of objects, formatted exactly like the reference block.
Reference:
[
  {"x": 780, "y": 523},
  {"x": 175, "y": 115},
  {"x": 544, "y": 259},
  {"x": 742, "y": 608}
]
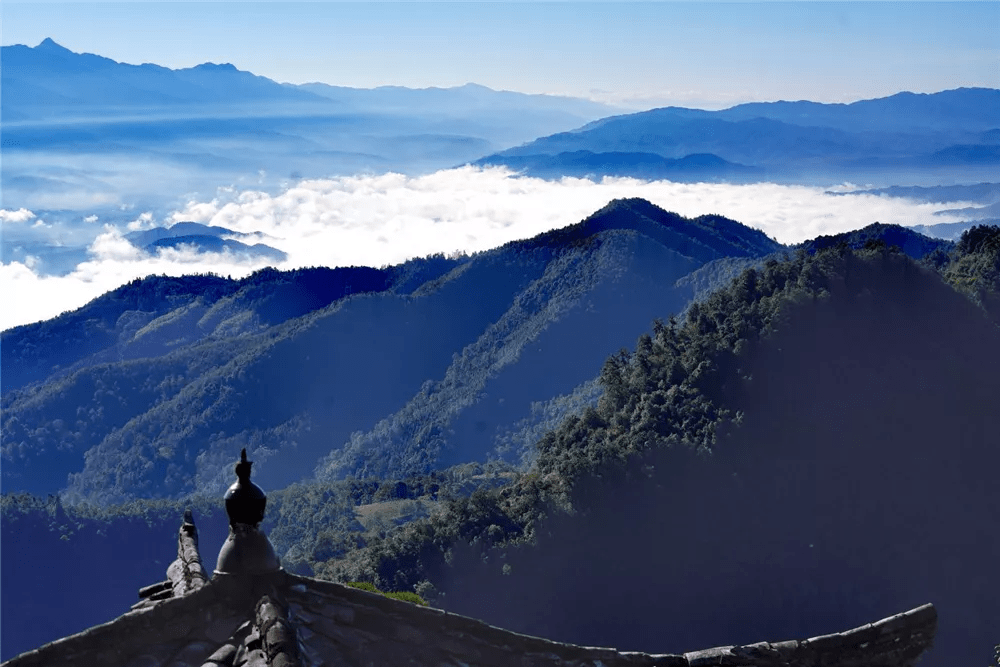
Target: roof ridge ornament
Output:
[{"x": 247, "y": 549}]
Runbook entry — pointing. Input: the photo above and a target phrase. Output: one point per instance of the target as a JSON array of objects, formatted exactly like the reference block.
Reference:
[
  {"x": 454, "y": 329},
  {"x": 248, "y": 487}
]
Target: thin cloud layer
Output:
[{"x": 386, "y": 219}]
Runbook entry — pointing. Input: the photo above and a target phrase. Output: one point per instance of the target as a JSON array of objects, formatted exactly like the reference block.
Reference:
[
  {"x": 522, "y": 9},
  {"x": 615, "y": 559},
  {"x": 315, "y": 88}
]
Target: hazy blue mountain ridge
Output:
[
  {"x": 193, "y": 130},
  {"x": 147, "y": 236},
  {"x": 202, "y": 238},
  {"x": 785, "y": 140},
  {"x": 449, "y": 102},
  {"x": 582, "y": 163},
  {"x": 203, "y": 243},
  {"x": 972, "y": 109},
  {"x": 36, "y": 80}
]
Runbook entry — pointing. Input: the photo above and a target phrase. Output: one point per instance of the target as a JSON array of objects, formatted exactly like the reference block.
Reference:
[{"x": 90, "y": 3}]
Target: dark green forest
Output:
[
  {"x": 686, "y": 381},
  {"x": 769, "y": 417}
]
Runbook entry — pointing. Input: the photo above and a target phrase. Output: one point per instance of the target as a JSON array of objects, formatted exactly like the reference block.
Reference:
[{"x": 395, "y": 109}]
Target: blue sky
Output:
[{"x": 643, "y": 54}]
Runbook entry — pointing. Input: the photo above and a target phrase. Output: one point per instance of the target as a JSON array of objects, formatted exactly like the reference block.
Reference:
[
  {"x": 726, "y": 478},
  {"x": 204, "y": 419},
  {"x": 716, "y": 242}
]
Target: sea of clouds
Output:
[{"x": 378, "y": 220}]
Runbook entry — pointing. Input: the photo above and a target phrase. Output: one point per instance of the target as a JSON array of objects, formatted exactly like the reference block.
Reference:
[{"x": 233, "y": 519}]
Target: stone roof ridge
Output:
[
  {"x": 185, "y": 574},
  {"x": 278, "y": 619}
]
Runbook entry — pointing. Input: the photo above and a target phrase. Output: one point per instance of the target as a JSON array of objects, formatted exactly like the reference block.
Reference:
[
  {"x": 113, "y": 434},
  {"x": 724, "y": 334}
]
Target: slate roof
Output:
[{"x": 278, "y": 619}]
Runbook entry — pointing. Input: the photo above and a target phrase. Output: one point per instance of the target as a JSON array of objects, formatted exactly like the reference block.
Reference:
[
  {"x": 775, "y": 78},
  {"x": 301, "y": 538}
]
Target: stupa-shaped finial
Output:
[
  {"x": 247, "y": 550},
  {"x": 245, "y": 501}
]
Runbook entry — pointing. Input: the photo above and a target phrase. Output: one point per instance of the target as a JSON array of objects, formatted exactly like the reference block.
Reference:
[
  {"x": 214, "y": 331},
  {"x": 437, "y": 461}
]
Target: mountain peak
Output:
[
  {"x": 218, "y": 67},
  {"x": 49, "y": 44}
]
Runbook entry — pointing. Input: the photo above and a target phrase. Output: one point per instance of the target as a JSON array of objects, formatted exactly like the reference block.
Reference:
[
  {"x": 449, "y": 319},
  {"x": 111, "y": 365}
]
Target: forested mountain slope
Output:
[
  {"x": 658, "y": 532},
  {"x": 158, "y": 314},
  {"x": 433, "y": 361},
  {"x": 813, "y": 445}
]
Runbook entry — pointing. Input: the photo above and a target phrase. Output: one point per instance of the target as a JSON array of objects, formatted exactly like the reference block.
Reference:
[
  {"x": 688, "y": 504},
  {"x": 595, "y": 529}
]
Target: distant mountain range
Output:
[
  {"x": 214, "y": 125},
  {"x": 903, "y": 137},
  {"x": 202, "y": 238},
  {"x": 211, "y": 125},
  {"x": 50, "y": 81},
  {"x": 583, "y": 163}
]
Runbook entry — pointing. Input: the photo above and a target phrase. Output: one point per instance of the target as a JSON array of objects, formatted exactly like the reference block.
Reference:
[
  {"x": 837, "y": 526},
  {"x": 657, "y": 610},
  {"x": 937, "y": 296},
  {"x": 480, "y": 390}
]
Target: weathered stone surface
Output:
[
  {"x": 330, "y": 629},
  {"x": 659, "y": 660},
  {"x": 342, "y": 614},
  {"x": 765, "y": 653},
  {"x": 408, "y": 633},
  {"x": 224, "y": 655},
  {"x": 145, "y": 660},
  {"x": 714, "y": 656},
  {"x": 277, "y": 635},
  {"x": 195, "y": 652},
  {"x": 320, "y": 651},
  {"x": 146, "y": 591},
  {"x": 186, "y": 573},
  {"x": 256, "y": 659},
  {"x": 298, "y": 614},
  {"x": 221, "y": 629}
]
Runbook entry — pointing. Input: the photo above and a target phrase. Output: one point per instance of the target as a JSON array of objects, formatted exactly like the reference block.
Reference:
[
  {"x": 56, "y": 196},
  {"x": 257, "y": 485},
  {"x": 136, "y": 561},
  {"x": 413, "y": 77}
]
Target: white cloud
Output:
[
  {"x": 20, "y": 215},
  {"x": 386, "y": 219},
  {"x": 144, "y": 221},
  {"x": 341, "y": 220},
  {"x": 30, "y": 297},
  {"x": 90, "y": 218},
  {"x": 111, "y": 246}
]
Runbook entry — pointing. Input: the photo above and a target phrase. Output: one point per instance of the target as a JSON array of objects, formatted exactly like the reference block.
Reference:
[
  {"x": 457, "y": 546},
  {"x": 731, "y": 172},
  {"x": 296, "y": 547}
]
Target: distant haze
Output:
[{"x": 380, "y": 220}]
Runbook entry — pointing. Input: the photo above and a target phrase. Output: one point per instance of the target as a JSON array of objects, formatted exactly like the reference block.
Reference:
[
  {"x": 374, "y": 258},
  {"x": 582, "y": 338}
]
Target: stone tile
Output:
[
  {"x": 224, "y": 655},
  {"x": 145, "y": 660},
  {"x": 195, "y": 652},
  {"x": 312, "y": 653},
  {"x": 299, "y": 615},
  {"x": 256, "y": 658},
  {"x": 222, "y": 629},
  {"x": 408, "y": 634},
  {"x": 340, "y": 636},
  {"x": 155, "y": 655}
]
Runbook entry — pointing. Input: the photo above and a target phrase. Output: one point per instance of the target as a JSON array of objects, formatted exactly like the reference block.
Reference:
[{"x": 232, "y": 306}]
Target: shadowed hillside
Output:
[
  {"x": 815, "y": 444},
  {"x": 413, "y": 367},
  {"x": 805, "y": 379}
]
